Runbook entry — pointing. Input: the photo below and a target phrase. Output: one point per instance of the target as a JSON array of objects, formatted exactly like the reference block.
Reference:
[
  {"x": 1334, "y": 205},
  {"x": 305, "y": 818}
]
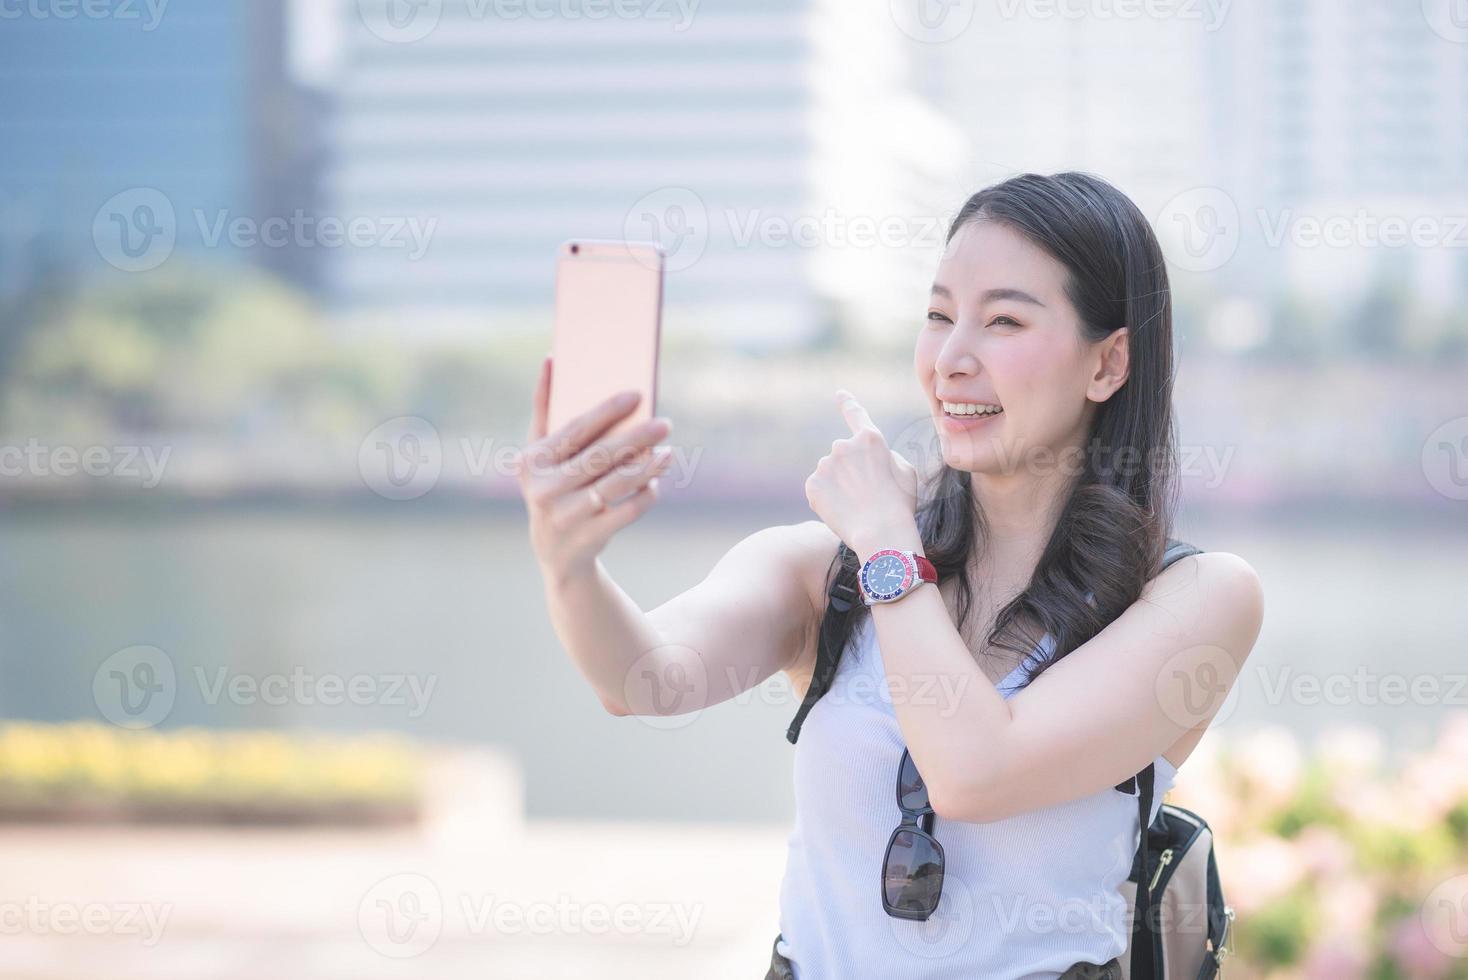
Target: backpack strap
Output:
[
  {"x": 1144, "y": 930},
  {"x": 1144, "y": 935},
  {"x": 828, "y": 657}
]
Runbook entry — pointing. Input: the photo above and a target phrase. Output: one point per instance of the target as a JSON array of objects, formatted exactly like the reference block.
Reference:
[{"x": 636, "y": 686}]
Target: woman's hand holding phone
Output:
[{"x": 558, "y": 472}]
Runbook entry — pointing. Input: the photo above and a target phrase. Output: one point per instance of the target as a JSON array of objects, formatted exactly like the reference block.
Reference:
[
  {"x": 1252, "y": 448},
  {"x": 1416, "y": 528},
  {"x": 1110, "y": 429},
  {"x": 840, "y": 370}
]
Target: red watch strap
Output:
[{"x": 925, "y": 568}]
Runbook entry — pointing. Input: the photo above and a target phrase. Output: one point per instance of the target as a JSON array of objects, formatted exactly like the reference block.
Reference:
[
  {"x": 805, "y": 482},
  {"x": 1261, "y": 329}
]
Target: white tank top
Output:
[{"x": 1023, "y": 898}]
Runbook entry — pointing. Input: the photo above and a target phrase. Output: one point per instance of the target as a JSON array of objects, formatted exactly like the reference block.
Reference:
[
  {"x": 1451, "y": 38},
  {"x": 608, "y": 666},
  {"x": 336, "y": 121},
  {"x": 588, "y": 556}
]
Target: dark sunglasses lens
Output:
[
  {"x": 912, "y": 875},
  {"x": 912, "y": 794}
]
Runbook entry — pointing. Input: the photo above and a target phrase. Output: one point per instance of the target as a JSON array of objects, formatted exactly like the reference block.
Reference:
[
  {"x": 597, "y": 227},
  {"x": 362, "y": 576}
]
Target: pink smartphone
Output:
[{"x": 609, "y": 306}]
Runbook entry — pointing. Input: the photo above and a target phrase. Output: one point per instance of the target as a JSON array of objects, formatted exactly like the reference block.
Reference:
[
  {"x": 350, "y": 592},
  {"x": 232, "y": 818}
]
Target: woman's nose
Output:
[{"x": 956, "y": 358}]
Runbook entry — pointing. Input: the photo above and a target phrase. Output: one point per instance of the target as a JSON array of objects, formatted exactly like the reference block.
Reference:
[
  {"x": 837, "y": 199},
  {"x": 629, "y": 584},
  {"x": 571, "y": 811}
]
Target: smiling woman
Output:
[{"x": 1046, "y": 358}]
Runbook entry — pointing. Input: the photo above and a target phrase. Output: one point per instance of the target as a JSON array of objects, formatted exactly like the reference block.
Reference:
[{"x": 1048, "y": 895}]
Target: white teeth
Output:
[{"x": 968, "y": 408}]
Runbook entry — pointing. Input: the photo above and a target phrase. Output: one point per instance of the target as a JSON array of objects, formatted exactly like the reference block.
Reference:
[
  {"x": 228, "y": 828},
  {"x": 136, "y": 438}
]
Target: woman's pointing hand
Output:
[{"x": 862, "y": 490}]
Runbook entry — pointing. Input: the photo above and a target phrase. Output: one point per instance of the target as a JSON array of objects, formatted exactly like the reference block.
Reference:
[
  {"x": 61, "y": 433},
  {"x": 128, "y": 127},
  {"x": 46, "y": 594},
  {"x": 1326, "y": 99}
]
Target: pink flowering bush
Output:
[{"x": 1340, "y": 863}]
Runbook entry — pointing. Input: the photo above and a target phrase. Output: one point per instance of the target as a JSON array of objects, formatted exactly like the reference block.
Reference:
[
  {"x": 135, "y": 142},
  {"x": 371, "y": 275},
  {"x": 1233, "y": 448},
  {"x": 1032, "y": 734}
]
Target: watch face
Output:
[{"x": 885, "y": 576}]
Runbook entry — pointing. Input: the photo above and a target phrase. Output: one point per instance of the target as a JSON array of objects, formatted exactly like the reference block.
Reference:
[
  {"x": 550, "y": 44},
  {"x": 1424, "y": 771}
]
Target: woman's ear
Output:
[{"x": 1113, "y": 365}]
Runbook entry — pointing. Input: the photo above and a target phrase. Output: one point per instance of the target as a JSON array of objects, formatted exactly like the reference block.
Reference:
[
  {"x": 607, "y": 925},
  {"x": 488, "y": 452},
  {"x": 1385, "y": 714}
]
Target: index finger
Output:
[
  {"x": 856, "y": 416},
  {"x": 542, "y": 402},
  {"x": 582, "y": 430}
]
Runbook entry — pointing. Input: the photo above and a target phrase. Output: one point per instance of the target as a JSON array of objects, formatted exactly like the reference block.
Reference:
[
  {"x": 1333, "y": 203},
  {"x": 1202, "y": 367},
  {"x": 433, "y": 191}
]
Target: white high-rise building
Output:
[{"x": 774, "y": 146}]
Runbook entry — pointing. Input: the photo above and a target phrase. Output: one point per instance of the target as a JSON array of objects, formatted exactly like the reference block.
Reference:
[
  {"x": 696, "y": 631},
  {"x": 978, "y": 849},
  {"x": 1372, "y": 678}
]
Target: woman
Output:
[{"x": 1046, "y": 363}]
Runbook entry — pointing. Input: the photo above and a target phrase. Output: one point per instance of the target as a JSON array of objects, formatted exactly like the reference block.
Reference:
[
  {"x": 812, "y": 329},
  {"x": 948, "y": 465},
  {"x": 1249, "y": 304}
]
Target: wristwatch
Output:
[{"x": 890, "y": 574}]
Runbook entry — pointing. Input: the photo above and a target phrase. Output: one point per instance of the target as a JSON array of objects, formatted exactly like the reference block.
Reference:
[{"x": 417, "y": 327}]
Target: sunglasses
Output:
[{"x": 912, "y": 870}]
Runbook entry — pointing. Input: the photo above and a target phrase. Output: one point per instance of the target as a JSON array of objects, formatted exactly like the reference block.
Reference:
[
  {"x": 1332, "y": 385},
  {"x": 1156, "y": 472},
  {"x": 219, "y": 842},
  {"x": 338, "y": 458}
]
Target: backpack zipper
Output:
[{"x": 1163, "y": 860}]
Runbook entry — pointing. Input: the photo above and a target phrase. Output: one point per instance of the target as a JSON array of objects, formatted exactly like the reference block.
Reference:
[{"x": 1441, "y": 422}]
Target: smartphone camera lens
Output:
[{"x": 575, "y": 249}]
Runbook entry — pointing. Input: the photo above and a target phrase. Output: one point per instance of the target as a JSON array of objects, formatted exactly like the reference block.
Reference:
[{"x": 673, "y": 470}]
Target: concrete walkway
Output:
[{"x": 475, "y": 891}]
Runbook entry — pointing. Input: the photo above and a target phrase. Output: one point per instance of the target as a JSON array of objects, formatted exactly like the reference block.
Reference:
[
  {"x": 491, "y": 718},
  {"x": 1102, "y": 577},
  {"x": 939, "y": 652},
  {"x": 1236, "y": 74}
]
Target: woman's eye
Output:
[
  {"x": 1004, "y": 319},
  {"x": 934, "y": 315}
]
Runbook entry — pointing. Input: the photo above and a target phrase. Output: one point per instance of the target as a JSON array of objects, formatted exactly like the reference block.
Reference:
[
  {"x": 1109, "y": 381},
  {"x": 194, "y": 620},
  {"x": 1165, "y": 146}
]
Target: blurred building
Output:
[
  {"x": 777, "y": 149},
  {"x": 131, "y": 134},
  {"x": 1286, "y": 141},
  {"x": 1351, "y": 118}
]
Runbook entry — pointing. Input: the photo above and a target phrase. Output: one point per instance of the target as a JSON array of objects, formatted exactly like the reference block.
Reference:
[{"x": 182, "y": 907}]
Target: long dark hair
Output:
[{"x": 1115, "y": 523}]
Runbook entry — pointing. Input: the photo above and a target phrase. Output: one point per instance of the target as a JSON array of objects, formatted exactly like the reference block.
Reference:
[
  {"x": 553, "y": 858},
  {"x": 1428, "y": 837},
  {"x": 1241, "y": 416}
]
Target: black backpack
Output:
[{"x": 1186, "y": 937}]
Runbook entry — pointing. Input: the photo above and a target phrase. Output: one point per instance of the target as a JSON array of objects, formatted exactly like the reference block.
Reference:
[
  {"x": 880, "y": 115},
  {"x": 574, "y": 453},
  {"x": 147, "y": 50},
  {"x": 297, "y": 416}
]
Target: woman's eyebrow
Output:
[{"x": 992, "y": 295}]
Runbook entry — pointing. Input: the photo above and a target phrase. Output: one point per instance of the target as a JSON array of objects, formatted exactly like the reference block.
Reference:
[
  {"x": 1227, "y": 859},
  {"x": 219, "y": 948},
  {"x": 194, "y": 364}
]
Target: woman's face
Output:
[{"x": 1001, "y": 331}]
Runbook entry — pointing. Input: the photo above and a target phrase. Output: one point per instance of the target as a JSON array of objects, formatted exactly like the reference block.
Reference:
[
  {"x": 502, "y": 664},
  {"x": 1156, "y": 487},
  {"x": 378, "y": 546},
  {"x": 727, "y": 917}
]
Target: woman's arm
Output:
[
  {"x": 1098, "y": 716},
  {"x": 755, "y": 613}
]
